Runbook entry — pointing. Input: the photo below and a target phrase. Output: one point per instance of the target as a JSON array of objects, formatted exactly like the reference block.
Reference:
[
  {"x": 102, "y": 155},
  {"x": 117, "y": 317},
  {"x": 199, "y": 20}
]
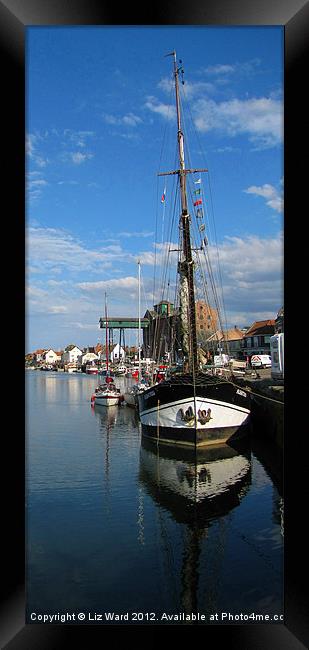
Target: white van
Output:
[{"x": 261, "y": 361}]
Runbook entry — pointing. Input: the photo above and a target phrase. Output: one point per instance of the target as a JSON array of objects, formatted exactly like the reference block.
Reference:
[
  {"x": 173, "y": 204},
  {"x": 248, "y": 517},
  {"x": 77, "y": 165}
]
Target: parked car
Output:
[{"x": 261, "y": 361}]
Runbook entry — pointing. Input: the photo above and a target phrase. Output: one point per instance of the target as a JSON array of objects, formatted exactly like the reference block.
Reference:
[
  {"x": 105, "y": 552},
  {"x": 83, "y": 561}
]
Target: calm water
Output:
[{"x": 116, "y": 526}]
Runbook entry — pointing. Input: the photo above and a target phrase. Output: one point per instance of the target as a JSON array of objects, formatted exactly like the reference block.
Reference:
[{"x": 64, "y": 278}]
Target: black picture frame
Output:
[{"x": 15, "y": 17}]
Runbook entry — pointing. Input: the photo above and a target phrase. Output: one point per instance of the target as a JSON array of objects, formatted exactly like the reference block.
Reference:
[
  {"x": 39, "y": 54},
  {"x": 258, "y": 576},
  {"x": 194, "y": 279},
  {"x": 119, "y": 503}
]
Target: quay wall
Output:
[{"x": 267, "y": 406}]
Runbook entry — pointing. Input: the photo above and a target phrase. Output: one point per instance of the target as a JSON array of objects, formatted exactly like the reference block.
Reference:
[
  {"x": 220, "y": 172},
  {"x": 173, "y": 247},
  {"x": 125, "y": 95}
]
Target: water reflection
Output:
[
  {"x": 109, "y": 416},
  {"x": 197, "y": 489}
]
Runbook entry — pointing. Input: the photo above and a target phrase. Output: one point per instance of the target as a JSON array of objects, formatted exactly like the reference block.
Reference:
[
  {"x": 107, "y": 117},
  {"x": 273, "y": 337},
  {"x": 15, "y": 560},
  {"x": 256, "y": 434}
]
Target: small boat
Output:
[
  {"x": 191, "y": 407},
  {"x": 92, "y": 370},
  {"x": 107, "y": 395},
  {"x": 72, "y": 366},
  {"x": 131, "y": 394},
  {"x": 120, "y": 370}
]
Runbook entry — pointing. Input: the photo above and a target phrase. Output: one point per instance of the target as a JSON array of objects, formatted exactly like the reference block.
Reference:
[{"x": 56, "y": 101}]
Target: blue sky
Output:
[{"x": 98, "y": 110}]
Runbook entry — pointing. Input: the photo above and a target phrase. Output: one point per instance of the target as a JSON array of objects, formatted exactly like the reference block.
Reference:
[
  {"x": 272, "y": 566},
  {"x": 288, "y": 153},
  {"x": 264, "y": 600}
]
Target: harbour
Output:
[
  {"x": 154, "y": 485},
  {"x": 116, "y": 525}
]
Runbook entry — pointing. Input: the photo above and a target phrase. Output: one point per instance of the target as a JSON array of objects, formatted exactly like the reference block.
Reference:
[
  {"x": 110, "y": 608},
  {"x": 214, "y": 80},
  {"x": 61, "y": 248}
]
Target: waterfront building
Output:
[
  {"x": 72, "y": 354},
  {"x": 51, "y": 357},
  {"x": 257, "y": 338}
]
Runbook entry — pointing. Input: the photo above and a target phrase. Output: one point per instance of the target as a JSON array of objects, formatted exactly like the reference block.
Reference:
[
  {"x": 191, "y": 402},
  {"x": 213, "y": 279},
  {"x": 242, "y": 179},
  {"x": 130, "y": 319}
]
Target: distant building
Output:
[
  {"x": 51, "y": 357},
  {"x": 39, "y": 355},
  {"x": 88, "y": 357},
  {"x": 279, "y": 322},
  {"x": 206, "y": 318},
  {"x": 162, "y": 337},
  {"x": 72, "y": 354},
  {"x": 257, "y": 337},
  {"x": 117, "y": 354},
  {"x": 234, "y": 338}
]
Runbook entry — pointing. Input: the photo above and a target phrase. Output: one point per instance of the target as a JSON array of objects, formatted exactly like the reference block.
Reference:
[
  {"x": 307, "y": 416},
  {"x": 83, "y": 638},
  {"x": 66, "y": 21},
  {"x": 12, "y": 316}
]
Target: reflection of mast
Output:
[
  {"x": 106, "y": 425},
  {"x": 190, "y": 569},
  {"x": 140, "y": 518}
]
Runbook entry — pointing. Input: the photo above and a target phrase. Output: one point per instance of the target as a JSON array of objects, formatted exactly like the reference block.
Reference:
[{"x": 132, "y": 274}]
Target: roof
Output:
[
  {"x": 233, "y": 334},
  {"x": 261, "y": 327}
]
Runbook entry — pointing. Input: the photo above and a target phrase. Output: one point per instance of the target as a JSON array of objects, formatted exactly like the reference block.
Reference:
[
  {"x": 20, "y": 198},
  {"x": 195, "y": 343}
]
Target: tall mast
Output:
[
  {"x": 106, "y": 337},
  {"x": 185, "y": 267},
  {"x": 139, "y": 320}
]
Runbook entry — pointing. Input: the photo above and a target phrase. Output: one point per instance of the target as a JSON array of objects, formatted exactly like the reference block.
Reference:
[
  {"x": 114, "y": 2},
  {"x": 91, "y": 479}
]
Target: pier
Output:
[{"x": 267, "y": 400}]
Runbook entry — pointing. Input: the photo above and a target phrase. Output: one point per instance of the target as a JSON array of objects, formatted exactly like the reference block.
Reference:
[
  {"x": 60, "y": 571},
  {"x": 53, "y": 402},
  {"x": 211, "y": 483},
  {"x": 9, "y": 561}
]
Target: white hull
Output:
[
  {"x": 223, "y": 414},
  {"x": 107, "y": 400}
]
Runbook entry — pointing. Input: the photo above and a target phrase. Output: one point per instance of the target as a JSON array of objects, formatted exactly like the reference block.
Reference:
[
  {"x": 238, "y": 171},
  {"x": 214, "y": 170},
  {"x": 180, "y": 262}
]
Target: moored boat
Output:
[
  {"x": 92, "y": 369},
  {"x": 107, "y": 395},
  {"x": 192, "y": 408}
]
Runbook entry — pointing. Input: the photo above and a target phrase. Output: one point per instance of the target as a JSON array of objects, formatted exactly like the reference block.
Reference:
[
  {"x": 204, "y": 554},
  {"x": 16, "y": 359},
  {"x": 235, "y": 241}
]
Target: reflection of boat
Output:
[
  {"x": 107, "y": 418},
  {"x": 213, "y": 480},
  {"x": 191, "y": 407},
  {"x": 197, "y": 489}
]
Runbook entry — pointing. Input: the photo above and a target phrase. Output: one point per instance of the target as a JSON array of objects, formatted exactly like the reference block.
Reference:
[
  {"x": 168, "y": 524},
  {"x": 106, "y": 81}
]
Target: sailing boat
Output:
[
  {"x": 107, "y": 394},
  {"x": 191, "y": 408},
  {"x": 130, "y": 395}
]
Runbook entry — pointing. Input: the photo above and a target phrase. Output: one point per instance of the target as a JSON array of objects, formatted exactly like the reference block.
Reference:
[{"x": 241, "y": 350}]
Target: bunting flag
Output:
[
  {"x": 202, "y": 227},
  {"x": 198, "y": 181},
  {"x": 199, "y": 213},
  {"x": 198, "y": 191},
  {"x": 198, "y": 202},
  {"x": 163, "y": 195}
]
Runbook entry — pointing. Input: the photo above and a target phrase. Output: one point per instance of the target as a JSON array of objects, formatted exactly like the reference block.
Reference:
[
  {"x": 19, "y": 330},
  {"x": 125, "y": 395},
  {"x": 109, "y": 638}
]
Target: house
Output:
[
  {"x": 72, "y": 354},
  {"x": 88, "y": 357},
  {"x": 234, "y": 337},
  {"x": 117, "y": 354},
  {"x": 98, "y": 348},
  {"x": 39, "y": 355},
  {"x": 257, "y": 337},
  {"x": 51, "y": 357}
]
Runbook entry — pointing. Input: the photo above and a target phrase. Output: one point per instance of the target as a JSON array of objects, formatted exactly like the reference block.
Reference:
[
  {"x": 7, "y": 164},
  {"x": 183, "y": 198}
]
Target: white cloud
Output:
[
  {"x": 167, "y": 111},
  {"x": 252, "y": 277},
  {"x": 259, "y": 118},
  {"x": 118, "y": 284},
  {"x": 54, "y": 249},
  {"x": 78, "y": 157},
  {"x": 130, "y": 119},
  {"x": 136, "y": 234},
  {"x": 219, "y": 69},
  {"x": 57, "y": 309},
  {"x": 273, "y": 199}
]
